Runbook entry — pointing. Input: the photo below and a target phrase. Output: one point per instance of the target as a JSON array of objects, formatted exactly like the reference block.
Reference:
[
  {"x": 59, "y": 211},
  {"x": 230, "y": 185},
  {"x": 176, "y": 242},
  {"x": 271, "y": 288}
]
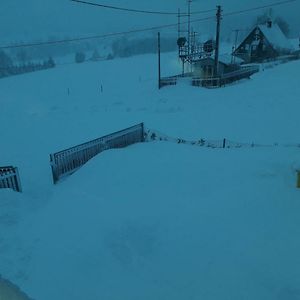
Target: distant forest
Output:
[{"x": 18, "y": 60}]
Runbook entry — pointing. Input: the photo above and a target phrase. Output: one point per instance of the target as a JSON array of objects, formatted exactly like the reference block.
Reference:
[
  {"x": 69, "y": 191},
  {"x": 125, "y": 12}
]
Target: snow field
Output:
[{"x": 154, "y": 220}]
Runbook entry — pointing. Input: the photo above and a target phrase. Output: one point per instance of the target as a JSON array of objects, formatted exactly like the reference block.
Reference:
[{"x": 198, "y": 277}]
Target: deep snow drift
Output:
[{"x": 154, "y": 220}]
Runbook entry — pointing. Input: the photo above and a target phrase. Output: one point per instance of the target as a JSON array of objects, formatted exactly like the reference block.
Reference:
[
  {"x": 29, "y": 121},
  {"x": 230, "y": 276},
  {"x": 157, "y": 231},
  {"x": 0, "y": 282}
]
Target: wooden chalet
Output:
[{"x": 264, "y": 42}]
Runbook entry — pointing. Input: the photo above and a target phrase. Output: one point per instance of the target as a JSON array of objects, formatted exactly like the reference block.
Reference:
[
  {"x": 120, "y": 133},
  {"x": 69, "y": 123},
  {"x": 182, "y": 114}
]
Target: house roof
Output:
[
  {"x": 225, "y": 59},
  {"x": 275, "y": 37},
  {"x": 295, "y": 43}
]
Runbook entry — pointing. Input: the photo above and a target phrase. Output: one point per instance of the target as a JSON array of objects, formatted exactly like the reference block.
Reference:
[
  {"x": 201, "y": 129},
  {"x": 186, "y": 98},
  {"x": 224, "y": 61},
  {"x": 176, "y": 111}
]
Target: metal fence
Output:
[
  {"x": 9, "y": 179},
  {"x": 66, "y": 162}
]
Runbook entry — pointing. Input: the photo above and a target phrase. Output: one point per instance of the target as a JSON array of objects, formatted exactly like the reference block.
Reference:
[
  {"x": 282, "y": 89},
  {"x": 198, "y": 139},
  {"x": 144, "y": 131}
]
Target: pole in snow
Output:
[
  {"x": 219, "y": 17},
  {"x": 159, "y": 70}
]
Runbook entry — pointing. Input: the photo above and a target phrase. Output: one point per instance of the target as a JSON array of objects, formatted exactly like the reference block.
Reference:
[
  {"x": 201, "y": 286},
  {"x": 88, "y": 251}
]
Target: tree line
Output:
[{"x": 9, "y": 68}]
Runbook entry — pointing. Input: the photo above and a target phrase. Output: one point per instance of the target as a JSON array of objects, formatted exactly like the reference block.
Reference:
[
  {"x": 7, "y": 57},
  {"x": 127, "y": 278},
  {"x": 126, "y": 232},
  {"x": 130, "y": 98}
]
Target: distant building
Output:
[{"x": 264, "y": 42}]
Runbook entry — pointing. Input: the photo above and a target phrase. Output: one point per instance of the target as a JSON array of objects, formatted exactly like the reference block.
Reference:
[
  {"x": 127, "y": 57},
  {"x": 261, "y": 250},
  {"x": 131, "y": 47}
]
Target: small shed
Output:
[
  {"x": 204, "y": 68},
  {"x": 264, "y": 42}
]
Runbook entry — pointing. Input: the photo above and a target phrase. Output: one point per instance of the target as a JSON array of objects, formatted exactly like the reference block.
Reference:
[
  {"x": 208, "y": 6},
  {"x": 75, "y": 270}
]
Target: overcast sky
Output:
[{"x": 39, "y": 19}]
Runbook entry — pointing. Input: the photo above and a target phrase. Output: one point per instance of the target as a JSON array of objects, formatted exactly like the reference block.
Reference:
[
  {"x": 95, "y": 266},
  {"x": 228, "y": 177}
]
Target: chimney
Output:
[{"x": 269, "y": 23}]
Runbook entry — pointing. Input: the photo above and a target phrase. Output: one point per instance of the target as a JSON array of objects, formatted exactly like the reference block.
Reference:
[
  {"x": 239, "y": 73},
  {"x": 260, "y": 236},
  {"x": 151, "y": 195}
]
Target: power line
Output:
[
  {"x": 141, "y": 29},
  {"x": 258, "y": 8},
  {"x": 99, "y": 36},
  {"x": 138, "y": 10}
]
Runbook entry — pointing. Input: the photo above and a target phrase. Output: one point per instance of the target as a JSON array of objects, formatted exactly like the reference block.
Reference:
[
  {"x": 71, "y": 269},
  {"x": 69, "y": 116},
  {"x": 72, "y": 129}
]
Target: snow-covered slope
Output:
[{"x": 155, "y": 220}]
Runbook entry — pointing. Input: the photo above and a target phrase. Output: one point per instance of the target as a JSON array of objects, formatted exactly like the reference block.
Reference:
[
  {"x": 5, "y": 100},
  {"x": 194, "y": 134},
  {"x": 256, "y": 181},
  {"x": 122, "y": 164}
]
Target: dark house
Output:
[{"x": 263, "y": 43}]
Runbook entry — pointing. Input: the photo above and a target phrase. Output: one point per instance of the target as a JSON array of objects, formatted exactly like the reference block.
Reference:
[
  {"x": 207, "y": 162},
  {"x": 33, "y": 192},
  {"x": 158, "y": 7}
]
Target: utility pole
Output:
[
  {"x": 179, "y": 23},
  {"x": 179, "y": 30},
  {"x": 159, "y": 71},
  {"x": 189, "y": 27},
  {"x": 237, "y": 31},
  {"x": 219, "y": 17},
  {"x": 235, "y": 42}
]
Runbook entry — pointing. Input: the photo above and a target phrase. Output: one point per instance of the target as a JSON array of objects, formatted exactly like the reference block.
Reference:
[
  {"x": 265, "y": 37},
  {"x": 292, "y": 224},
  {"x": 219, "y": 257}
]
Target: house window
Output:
[{"x": 247, "y": 47}]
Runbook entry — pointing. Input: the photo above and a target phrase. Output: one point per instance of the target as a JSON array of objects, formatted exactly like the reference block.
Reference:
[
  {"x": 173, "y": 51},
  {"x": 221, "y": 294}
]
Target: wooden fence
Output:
[
  {"x": 66, "y": 162},
  {"x": 9, "y": 179}
]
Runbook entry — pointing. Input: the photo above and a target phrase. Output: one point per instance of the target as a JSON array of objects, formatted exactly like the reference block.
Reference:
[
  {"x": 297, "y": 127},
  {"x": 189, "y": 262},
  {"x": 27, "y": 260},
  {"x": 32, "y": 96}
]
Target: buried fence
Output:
[
  {"x": 155, "y": 135},
  {"x": 66, "y": 162},
  {"x": 172, "y": 80},
  {"x": 9, "y": 179}
]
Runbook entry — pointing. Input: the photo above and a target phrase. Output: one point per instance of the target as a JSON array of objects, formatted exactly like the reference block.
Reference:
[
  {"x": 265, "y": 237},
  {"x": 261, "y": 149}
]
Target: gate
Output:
[{"x": 9, "y": 178}]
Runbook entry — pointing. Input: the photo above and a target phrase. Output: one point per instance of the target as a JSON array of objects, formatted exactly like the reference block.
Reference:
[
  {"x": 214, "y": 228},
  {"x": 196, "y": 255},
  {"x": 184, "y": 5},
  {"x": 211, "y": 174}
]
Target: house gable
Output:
[
  {"x": 256, "y": 47},
  {"x": 262, "y": 43}
]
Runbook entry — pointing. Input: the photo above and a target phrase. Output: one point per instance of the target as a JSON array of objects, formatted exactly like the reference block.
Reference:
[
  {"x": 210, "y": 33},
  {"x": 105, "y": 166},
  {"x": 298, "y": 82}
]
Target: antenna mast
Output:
[
  {"x": 189, "y": 26},
  {"x": 219, "y": 18}
]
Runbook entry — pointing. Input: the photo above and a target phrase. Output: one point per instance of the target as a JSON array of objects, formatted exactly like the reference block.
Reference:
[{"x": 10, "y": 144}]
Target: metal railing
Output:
[
  {"x": 244, "y": 72},
  {"x": 9, "y": 178},
  {"x": 66, "y": 162},
  {"x": 166, "y": 81},
  {"x": 172, "y": 80}
]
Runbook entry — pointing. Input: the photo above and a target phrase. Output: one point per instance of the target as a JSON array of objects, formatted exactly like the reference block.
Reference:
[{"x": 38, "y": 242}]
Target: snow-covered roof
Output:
[
  {"x": 226, "y": 59},
  {"x": 275, "y": 36},
  {"x": 295, "y": 43}
]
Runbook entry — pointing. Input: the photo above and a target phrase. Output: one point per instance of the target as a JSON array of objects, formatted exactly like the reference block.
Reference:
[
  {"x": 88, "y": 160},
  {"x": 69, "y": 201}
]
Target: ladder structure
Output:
[{"x": 189, "y": 49}]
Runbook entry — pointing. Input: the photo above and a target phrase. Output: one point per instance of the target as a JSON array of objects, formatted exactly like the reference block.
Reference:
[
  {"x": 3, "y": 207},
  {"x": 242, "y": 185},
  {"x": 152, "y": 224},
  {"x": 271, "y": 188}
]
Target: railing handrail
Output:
[
  {"x": 226, "y": 75},
  {"x": 66, "y": 162},
  {"x": 97, "y": 140},
  {"x": 6, "y": 168},
  {"x": 189, "y": 74}
]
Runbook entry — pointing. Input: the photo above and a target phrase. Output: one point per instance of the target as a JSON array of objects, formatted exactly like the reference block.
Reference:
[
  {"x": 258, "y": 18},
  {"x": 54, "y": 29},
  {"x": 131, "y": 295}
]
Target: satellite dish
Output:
[
  {"x": 181, "y": 41},
  {"x": 209, "y": 46}
]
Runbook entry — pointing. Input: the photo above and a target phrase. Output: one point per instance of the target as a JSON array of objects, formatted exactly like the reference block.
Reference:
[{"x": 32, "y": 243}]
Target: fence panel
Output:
[
  {"x": 66, "y": 162},
  {"x": 9, "y": 179}
]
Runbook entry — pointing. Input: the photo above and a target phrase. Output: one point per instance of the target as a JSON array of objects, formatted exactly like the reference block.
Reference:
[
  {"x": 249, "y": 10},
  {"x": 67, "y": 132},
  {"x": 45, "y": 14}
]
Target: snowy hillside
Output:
[{"x": 156, "y": 220}]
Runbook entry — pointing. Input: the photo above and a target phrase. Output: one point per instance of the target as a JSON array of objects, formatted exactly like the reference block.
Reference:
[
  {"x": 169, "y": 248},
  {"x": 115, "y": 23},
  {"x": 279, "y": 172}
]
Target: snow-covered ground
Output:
[{"x": 155, "y": 220}]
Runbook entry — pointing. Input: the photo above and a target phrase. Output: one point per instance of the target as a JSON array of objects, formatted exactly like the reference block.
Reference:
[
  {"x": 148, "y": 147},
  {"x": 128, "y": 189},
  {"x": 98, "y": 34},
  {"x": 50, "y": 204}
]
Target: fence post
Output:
[
  {"x": 159, "y": 61},
  {"x": 54, "y": 175},
  {"x": 224, "y": 143},
  {"x": 143, "y": 132},
  {"x": 18, "y": 181}
]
